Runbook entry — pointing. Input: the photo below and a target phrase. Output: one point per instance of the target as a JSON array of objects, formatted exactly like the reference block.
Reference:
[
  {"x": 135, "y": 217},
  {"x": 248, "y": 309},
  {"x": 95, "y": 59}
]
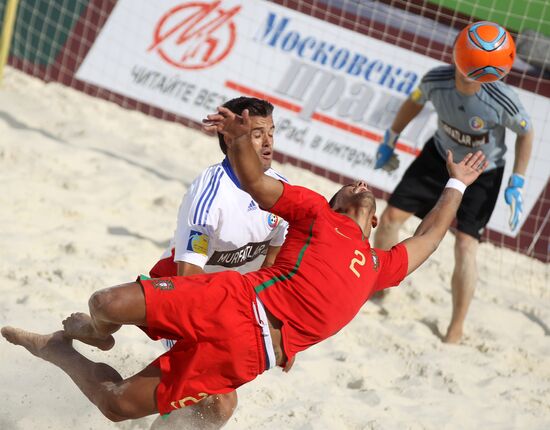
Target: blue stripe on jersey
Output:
[
  {"x": 229, "y": 170},
  {"x": 208, "y": 202},
  {"x": 280, "y": 176},
  {"x": 505, "y": 101},
  {"x": 201, "y": 198},
  {"x": 212, "y": 199},
  {"x": 205, "y": 196}
]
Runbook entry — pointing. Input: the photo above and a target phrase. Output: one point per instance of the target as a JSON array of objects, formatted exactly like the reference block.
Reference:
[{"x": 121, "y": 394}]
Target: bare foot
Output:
[
  {"x": 44, "y": 346},
  {"x": 79, "y": 326},
  {"x": 453, "y": 336}
]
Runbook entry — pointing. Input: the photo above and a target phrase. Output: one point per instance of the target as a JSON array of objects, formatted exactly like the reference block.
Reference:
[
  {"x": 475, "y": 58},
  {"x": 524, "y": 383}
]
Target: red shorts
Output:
[
  {"x": 165, "y": 267},
  {"x": 219, "y": 345}
]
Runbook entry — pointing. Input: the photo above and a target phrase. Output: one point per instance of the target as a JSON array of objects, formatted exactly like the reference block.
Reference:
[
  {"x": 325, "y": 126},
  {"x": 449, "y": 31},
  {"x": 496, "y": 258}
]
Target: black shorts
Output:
[{"x": 423, "y": 183}]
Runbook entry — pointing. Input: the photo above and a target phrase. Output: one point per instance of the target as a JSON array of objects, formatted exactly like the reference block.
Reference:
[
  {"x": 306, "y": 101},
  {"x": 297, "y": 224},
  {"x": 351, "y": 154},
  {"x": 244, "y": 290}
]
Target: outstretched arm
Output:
[
  {"x": 385, "y": 157},
  {"x": 236, "y": 131},
  {"x": 432, "y": 229},
  {"x": 524, "y": 147},
  {"x": 406, "y": 113},
  {"x": 513, "y": 192}
]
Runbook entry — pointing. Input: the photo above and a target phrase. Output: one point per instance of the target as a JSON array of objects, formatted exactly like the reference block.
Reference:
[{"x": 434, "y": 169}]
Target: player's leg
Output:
[
  {"x": 416, "y": 193},
  {"x": 218, "y": 408},
  {"x": 212, "y": 413},
  {"x": 387, "y": 231},
  {"x": 463, "y": 284},
  {"x": 387, "y": 234},
  {"x": 109, "y": 309},
  {"x": 116, "y": 398},
  {"x": 220, "y": 302},
  {"x": 472, "y": 216}
]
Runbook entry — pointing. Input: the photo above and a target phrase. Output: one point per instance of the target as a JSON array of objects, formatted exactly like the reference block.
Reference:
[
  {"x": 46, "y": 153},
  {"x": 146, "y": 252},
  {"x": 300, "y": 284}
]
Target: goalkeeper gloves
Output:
[
  {"x": 386, "y": 159},
  {"x": 513, "y": 198}
]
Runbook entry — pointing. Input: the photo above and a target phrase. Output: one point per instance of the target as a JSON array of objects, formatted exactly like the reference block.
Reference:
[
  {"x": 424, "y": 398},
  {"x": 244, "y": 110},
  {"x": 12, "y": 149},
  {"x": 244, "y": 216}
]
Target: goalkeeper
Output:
[{"x": 471, "y": 115}]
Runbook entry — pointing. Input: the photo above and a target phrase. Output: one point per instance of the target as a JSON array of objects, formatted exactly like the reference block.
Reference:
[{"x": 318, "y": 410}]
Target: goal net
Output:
[{"x": 337, "y": 71}]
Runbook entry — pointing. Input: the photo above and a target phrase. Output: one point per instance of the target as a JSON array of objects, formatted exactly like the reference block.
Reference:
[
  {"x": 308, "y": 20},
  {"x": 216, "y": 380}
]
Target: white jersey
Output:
[{"x": 220, "y": 227}]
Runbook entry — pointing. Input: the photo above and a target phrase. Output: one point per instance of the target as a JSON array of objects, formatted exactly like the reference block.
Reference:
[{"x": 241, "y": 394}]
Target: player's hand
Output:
[
  {"x": 514, "y": 199},
  {"x": 386, "y": 158},
  {"x": 228, "y": 123},
  {"x": 467, "y": 170}
]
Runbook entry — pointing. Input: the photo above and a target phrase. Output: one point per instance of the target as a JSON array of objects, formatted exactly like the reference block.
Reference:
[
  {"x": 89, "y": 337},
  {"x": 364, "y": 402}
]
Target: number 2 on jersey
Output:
[{"x": 360, "y": 260}]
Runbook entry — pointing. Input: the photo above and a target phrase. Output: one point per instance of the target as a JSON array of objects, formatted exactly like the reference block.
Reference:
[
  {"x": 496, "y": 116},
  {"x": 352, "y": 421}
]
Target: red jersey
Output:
[{"x": 326, "y": 270}]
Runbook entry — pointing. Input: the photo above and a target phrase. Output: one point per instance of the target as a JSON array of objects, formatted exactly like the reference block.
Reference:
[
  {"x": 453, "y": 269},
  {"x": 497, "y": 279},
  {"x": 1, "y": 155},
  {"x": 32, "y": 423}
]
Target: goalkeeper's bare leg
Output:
[
  {"x": 463, "y": 284},
  {"x": 386, "y": 234}
]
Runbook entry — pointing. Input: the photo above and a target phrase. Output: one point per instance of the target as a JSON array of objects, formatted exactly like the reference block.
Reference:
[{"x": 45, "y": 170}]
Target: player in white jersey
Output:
[
  {"x": 471, "y": 116},
  {"x": 220, "y": 227}
]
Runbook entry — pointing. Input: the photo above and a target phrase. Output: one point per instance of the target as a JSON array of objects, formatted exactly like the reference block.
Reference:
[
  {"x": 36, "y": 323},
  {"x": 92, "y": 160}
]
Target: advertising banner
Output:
[{"x": 335, "y": 91}]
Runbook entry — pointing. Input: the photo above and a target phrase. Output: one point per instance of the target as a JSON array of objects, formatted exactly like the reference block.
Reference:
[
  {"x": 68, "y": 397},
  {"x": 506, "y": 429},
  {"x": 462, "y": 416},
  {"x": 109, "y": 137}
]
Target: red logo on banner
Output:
[{"x": 195, "y": 35}]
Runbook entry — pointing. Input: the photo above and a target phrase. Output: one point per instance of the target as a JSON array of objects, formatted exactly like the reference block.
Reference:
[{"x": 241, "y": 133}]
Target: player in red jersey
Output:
[{"x": 324, "y": 273}]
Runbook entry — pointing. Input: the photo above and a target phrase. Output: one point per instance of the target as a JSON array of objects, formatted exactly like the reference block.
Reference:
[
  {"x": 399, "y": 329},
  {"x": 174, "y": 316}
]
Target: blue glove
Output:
[
  {"x": 513, "y": 198},
  {"x": 385, "y": 157}
]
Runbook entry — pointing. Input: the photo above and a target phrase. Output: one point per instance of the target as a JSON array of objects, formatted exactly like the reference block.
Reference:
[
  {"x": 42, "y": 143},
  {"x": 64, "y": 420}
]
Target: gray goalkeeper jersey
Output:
[{"x": 468, "y": 123}]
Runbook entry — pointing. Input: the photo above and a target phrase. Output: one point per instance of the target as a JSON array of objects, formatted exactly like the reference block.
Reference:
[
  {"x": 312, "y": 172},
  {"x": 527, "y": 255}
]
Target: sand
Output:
[{"x": 89, "y": 198}]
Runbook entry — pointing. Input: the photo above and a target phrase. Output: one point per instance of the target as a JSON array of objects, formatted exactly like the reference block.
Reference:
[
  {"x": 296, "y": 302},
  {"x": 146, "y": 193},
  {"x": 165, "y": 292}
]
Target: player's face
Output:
[
  {"x": 356, "y": 194},
  {"x": 262, "y": 138}
]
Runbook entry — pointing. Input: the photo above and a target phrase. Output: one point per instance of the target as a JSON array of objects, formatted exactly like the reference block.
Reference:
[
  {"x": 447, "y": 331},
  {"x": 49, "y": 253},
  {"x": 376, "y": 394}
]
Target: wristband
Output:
[{"x": 456, "y": 184}]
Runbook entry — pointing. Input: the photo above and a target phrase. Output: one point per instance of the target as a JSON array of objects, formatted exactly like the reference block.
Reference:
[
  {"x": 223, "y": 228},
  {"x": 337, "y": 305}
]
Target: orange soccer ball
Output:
[{"x": 484, "y": 52}]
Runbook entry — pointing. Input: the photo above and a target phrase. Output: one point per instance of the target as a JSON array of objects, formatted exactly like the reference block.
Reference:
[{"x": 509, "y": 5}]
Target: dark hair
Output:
[
  {"x": 256, "y": 107},
  {"x": 332, "y": 201}
]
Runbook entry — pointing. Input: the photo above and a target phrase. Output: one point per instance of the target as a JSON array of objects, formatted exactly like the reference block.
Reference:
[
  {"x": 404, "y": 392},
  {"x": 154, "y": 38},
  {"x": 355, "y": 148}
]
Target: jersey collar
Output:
[
  {"x": 229, "y": 170},
  {"x": 350, "y": 227}
]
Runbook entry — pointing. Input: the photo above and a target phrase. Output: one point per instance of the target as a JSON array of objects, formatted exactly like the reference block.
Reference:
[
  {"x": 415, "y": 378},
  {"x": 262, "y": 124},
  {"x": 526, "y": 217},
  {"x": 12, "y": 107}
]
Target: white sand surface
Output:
[{"x": 89, "y": 199}]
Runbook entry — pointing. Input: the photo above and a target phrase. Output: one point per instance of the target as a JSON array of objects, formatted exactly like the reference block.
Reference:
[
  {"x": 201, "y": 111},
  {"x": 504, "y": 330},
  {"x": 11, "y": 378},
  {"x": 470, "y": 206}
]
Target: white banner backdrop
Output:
[{"x": 335, "y": 90}]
